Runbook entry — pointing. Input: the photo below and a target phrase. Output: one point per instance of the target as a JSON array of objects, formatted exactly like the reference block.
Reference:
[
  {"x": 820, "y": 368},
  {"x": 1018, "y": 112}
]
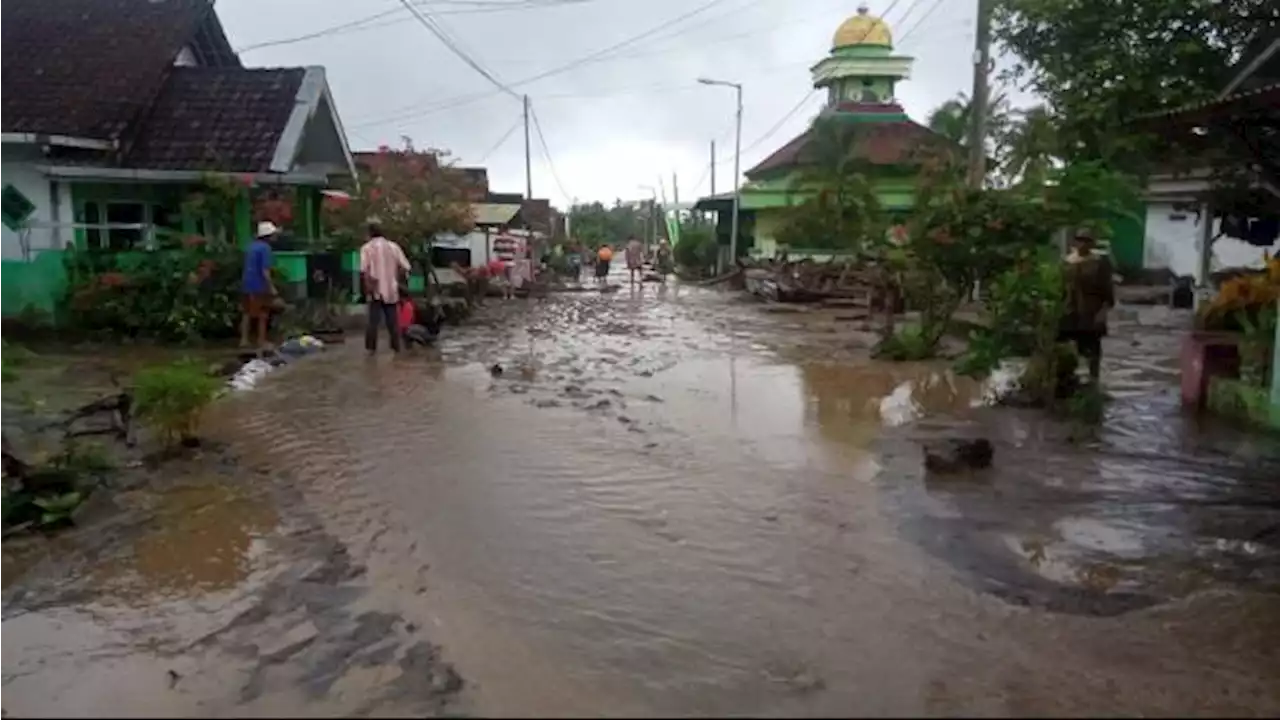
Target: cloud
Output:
[{"x": 611, "y": 125}]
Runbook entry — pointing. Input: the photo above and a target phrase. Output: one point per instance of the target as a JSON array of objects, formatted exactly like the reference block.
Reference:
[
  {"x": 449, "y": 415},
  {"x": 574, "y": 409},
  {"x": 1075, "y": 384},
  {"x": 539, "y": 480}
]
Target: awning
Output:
[
  {"x": 715, "y": 203},
  {"x": 493, "y": 213}
]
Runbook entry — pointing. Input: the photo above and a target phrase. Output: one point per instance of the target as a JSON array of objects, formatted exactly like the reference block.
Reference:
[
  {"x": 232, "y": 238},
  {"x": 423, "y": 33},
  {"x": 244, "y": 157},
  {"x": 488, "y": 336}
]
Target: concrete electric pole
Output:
[
  {"x": 528, "y": 157},
  {"x": 980, "y": 99},
  {"x": 675, "y": 199},
  {"x": 713, "y": 168}
]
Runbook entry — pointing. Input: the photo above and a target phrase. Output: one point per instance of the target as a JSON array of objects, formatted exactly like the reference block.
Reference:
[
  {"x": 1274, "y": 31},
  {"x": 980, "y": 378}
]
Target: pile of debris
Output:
[{"x": 859, "y": 281}]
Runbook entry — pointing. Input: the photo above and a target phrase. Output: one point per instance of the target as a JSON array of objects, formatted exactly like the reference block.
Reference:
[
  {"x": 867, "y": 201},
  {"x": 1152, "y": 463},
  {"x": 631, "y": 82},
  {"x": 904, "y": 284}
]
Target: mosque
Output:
[{"x": 859, "y": 76}]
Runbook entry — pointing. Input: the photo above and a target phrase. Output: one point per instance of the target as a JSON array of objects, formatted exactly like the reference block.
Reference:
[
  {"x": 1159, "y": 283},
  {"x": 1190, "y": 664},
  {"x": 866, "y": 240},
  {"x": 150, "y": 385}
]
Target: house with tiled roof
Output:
[
  {"x": 859, "y": 76},
  {"x": 1188, "y": 231},
  {"x": 116, "y": 111}
]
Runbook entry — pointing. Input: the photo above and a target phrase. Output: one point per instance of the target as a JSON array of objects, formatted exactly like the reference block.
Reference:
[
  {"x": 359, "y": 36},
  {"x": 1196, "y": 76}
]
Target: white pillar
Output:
[{"x": 1204, "y": 266}]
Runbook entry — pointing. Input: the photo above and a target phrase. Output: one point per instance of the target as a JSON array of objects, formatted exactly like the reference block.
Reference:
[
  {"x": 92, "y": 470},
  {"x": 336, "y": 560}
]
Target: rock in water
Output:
[
  {"x": 495, "y": 370},
  {"x": 959, "y": 455}
]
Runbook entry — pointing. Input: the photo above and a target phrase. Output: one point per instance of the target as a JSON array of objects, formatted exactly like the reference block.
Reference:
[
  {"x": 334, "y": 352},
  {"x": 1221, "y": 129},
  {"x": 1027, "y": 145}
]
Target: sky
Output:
[{"x": 617, "y": 125}]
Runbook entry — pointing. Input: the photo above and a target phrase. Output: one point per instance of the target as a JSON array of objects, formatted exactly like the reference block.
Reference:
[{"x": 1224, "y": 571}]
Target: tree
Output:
[
  {"x": 414, "y": 195},
  {"x": 839, "y": 209},
  {"x": 951, "y": 119},
  {"x": 1023, "y": 143},
  {"x": 696, "y": 252},
  {"x": 1097, "y": 63},
  {"x": 1029, "y": 146},
  {"x": 594, "y": 224}
]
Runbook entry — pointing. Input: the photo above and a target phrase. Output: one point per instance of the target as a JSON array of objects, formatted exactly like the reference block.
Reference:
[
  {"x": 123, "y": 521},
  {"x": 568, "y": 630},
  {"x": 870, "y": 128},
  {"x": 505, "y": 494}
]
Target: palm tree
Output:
[
  {"x": 1030, "y": 145},
  {"x": 951, "y": 119},
  {"x": 834, "y": 181}
]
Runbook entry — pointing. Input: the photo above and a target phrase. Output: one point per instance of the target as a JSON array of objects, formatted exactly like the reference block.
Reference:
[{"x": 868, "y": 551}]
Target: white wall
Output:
[
  {"x": 1173, "y": 242},
  {"x": 52, "y": 203},
  {"x": 474, "y": 241}
]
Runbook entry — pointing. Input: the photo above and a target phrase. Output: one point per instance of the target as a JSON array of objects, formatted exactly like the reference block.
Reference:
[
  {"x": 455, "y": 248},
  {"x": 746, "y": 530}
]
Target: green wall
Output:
[
  {"x": 37, "y": 285},
  {"x": 1128, "y": 238}
]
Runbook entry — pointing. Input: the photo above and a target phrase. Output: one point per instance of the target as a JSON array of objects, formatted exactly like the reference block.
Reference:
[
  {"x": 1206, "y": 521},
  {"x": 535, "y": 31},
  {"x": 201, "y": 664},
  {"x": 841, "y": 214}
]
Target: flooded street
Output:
[{"x": 668, "y": 502}]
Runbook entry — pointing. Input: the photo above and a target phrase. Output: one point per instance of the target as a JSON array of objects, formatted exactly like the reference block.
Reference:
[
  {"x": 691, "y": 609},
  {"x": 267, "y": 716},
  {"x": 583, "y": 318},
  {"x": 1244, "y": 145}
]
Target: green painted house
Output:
[
  {"x": 859, "y": 77},
  {"x": 117, "y": 111}
]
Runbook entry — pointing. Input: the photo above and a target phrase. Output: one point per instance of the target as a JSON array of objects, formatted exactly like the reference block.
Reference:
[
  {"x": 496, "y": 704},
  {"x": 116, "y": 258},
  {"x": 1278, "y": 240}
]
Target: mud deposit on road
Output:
[{"x": 669, "y": 502}]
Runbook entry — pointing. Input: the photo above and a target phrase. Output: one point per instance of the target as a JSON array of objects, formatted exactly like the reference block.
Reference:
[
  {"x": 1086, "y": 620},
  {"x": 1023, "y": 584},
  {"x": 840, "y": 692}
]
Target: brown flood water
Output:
[{"x": 672, "y": 503}]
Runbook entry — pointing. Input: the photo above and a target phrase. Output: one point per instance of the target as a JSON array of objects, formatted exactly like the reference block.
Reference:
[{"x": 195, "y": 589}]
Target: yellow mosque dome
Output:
[{"x": 863, "y": 29}]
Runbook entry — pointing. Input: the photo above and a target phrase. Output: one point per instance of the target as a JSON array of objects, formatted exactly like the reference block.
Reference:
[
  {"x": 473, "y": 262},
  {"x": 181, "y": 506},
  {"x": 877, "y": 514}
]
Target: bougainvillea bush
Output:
[
  {"x": 412, "y": 194},
  {"x": 183, "y": 291}
]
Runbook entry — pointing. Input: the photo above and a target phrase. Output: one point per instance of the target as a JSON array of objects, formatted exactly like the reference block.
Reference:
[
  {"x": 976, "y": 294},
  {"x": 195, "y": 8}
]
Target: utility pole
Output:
[
  {"x": 980, "y": 98},
  {"x": 675, "y": 199},
  {"x": 528, "y": 158},
  {"x": 713, "y": 167},
  {"x": 737, "y": 187}
]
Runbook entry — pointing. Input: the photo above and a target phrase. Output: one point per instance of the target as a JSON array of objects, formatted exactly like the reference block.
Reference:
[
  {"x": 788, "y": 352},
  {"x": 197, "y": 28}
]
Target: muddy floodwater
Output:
[{"x": 668, "y": 502}]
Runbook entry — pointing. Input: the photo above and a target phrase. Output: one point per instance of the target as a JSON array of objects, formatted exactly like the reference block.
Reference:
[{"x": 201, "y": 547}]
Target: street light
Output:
[{"x": 737, "y": 156}]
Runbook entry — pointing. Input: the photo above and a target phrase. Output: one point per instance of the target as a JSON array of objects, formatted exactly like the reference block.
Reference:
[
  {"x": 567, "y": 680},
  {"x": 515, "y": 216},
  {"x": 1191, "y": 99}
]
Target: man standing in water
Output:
[
  {"x": 1090, "y": 296},
  {"x": 635, "y": 258},
  {"x": 258, "y": 291},
  {"x": 382, "y": 263}
]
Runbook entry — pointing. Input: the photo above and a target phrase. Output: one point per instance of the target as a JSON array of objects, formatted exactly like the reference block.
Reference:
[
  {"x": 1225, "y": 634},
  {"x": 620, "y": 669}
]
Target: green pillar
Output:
[
  {"x": 306, "y": 211},
  {"x": 244, "y": 219}
]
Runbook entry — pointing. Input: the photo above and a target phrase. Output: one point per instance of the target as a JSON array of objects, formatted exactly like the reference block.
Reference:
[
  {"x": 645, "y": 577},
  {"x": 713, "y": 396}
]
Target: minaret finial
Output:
[{"x": 863, "y": 9}]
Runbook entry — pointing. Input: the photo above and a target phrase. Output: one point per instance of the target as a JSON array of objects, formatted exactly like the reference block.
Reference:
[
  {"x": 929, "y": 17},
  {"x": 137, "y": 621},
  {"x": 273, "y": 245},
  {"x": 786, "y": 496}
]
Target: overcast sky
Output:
[{"x": 614, "y": 123}]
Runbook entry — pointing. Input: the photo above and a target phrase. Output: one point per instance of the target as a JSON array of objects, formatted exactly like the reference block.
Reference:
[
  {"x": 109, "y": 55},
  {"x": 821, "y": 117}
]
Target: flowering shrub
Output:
[
  {"x": 182, "y": 292},
  {"x": 414, "y": 195}
]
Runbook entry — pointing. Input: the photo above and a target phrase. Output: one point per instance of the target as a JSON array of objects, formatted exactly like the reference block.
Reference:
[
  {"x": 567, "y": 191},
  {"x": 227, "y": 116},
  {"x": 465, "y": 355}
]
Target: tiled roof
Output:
[
  {"x": 90, "y": 68},
  {"x": 891, "y": 142},
  {"x": 228, "y": 119},
  {"x": 1265, "y": 98}
]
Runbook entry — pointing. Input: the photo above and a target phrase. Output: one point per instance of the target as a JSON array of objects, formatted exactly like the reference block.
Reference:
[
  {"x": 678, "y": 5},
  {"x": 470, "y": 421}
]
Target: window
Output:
[
  {"x": 125, "y": 214},
  {"x": 16, "y": 207},
  {"x": 92, "y": 215}
]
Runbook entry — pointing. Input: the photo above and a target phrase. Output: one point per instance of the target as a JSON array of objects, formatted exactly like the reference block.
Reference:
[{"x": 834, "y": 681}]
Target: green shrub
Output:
[
  {"x": 181, "y": 291},
  {"x": 1087, "y": 405},
  {"x": 910, "y": 342},
  {"x": 171, "y": 399},
  {"x": 697, "y": 251},
  {"x": 13, "y": 357}
]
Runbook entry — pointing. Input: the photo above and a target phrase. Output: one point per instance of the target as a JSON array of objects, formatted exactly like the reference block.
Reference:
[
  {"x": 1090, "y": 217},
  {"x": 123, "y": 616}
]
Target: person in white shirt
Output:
[{"x": 382, "y": 266}]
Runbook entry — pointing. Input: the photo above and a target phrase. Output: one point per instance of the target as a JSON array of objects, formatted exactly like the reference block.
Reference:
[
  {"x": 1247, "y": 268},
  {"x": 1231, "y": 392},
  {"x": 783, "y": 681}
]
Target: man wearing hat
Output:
[
  {"x": 1090, "y": 296},
  {"x": 257, "y": 289}
]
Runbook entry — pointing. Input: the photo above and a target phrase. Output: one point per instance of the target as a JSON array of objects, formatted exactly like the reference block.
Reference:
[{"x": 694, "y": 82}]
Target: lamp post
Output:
[{"x": 737, "y": 156}]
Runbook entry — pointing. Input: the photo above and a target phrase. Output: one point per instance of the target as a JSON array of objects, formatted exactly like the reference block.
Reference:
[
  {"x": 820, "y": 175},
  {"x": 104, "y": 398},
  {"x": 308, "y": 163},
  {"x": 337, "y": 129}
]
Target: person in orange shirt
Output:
[
  {"x": 411, "y": 331},
  {"x": 604, "y": 258}
]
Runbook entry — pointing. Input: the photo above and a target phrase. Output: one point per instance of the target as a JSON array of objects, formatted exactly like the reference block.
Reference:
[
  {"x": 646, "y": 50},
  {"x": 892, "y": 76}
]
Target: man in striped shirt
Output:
[{"x": 382, "y": 265}]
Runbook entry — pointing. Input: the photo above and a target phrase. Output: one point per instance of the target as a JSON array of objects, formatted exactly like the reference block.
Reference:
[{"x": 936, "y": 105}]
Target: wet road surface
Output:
[{"x": 670, "y": 502}]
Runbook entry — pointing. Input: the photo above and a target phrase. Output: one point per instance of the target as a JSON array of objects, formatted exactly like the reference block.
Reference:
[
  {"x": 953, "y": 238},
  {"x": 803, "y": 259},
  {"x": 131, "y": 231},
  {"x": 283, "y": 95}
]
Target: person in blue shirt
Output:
[{"x": 257, "y": 290}]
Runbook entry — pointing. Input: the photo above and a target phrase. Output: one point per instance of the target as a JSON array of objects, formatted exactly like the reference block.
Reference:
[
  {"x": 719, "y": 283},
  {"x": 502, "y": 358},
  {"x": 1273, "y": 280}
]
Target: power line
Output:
[
  {"x": 505, "y": 135},
  {"x": 367, "y": 22},
  {"x": 778, "y": 125},
  {"x": 463, "y": 100},
  {"x": 546, "y": 153},
  {"x": 936, "y": 4},
  {"x": 441, "y": 34}
]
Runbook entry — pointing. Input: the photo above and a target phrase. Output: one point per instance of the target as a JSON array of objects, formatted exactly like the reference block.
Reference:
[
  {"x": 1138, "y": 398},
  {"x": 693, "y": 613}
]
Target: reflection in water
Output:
[{"x": 201, "y": 540}]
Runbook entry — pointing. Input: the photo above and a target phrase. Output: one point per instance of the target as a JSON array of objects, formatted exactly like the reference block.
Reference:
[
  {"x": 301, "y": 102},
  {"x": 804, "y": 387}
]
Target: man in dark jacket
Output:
[{"x": 1090, "y": 296}]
